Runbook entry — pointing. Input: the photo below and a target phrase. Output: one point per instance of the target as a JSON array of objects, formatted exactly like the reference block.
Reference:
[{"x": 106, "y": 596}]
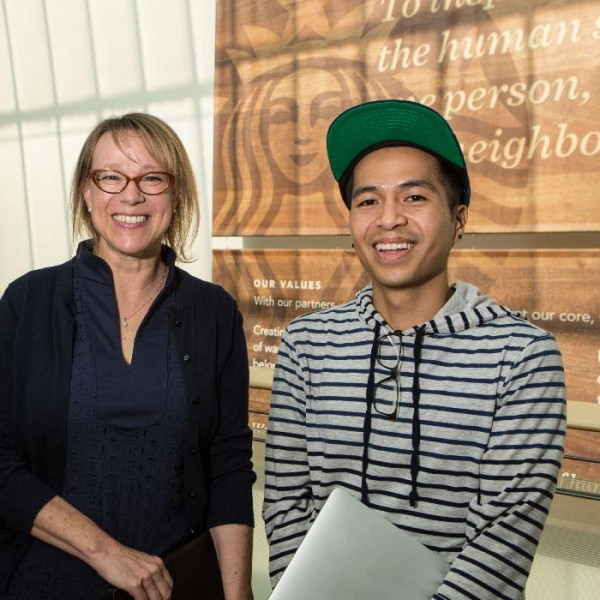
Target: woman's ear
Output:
[{"x": 87, "y": 195}]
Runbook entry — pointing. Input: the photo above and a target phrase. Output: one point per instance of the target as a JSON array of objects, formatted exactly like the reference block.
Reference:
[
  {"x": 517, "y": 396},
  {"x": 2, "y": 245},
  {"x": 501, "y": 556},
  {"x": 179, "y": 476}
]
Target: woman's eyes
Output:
[{"x": 110, "y": 177}]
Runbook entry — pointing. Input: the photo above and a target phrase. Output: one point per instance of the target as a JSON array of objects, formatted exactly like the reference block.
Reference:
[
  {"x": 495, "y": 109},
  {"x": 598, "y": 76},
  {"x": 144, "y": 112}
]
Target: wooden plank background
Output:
[{"x": 517, "y": 80}]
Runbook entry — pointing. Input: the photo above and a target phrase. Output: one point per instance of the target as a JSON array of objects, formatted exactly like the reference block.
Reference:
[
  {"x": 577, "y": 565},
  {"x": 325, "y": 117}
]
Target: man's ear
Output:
[{"x": 461, "y": 217}]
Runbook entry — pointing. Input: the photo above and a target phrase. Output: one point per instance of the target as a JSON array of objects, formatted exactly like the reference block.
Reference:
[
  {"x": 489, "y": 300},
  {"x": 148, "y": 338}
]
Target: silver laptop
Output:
[{"x": 353, "y": 553}]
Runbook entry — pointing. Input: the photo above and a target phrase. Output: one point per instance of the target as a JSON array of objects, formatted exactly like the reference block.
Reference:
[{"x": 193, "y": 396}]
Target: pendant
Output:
[{"x": 124, "y": 321}]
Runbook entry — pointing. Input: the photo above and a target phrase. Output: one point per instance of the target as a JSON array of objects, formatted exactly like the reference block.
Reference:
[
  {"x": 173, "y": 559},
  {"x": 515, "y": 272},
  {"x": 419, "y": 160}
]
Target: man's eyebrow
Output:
[
  {"x": 364, "y": 189},
  {"x": 368, "y": 189},
  {"x": 425, "y": 183}
]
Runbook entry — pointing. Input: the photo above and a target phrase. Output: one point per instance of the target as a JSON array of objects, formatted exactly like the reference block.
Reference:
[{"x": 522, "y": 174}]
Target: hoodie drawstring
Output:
[
  {"x": 367, "y": 424},
  {"x": 413, "y": 497}
]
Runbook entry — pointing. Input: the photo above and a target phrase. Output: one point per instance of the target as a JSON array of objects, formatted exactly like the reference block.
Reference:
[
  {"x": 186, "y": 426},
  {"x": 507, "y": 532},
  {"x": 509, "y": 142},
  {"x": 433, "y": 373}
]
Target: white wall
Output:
[{"x": 64, "y": 65}]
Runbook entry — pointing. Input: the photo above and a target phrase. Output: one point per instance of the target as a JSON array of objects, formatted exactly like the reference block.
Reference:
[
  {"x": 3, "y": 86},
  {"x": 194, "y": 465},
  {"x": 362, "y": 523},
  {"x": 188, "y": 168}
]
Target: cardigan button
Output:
[
  {"x": 175, "y": 309},
  {"x": 193, "y": 451},
  {"x": 186, "y": 358},
  {"x": 196, "y": 400},
  {"x": 178, "y": 323},
  {"x": 192, "y": 494}
]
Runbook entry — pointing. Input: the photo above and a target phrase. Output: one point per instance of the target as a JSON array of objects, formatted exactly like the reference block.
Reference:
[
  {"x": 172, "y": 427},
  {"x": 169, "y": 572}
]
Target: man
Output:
[{"x": 439, "y": 408}]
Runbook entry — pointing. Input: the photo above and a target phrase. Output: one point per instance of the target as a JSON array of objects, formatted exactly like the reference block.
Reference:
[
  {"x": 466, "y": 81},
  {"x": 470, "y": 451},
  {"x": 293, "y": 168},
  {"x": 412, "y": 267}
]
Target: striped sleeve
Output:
[
  {"x": 288, "y": 509},
  {"x": 517, "y": 480}
]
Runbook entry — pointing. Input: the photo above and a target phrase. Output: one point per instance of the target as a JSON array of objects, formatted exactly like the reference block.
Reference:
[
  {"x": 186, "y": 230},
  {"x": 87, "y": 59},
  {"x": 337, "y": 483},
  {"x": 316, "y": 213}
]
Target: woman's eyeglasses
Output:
[{"x": 114, "y": 182}]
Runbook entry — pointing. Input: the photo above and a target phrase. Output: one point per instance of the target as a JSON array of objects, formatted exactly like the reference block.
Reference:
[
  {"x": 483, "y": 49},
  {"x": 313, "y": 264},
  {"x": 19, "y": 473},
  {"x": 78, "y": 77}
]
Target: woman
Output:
[{"x": 123, "y": 390}]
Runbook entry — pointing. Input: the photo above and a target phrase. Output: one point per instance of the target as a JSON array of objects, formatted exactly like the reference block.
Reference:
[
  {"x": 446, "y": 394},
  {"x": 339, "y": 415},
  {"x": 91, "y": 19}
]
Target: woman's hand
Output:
[{"x": 142, "y": 576}]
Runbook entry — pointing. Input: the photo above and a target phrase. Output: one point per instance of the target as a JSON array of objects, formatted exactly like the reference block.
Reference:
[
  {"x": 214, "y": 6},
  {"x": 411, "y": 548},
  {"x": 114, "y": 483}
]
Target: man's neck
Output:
[{"x": 404, "y": 308}]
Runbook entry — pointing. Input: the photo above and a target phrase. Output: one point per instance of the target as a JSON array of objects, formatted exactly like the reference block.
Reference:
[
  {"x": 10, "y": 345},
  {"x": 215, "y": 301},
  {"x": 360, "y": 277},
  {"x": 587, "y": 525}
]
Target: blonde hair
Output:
[{"x": 166, "y": 147}]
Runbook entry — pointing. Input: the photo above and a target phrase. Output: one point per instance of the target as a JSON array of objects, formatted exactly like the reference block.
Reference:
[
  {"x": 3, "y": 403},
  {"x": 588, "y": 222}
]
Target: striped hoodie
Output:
[{"x": 469, "y": 464}]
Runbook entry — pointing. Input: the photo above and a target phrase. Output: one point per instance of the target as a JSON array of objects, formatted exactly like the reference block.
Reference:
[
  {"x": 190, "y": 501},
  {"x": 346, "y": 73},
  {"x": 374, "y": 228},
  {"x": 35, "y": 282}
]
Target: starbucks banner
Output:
[{"x": 517, "y": 81}]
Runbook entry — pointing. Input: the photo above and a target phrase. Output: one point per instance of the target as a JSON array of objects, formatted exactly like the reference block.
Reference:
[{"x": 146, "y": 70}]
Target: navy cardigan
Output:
[{"x": 37, "y": 327}]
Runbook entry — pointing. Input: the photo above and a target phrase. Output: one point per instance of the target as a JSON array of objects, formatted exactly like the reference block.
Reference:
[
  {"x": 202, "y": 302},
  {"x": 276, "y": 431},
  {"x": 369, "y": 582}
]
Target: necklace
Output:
[{"x": 125, "y": 319}]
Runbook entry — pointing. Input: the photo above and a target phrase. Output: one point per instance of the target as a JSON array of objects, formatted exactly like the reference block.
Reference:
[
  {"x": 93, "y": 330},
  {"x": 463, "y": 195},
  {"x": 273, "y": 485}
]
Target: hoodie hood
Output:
[{"x": 467, "y": 308}]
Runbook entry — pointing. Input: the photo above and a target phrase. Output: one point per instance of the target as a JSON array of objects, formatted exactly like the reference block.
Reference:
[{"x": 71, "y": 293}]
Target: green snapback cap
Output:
[{"x": 381, "y": 123}]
